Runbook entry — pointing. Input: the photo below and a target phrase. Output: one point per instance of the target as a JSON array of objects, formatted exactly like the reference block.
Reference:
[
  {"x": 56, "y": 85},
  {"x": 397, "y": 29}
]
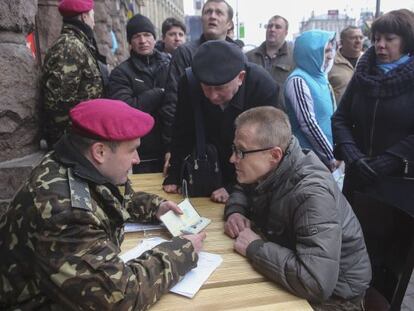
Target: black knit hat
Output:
[
  {"x": 139, "y": 23},
  {"x": 217, "y": 62}
]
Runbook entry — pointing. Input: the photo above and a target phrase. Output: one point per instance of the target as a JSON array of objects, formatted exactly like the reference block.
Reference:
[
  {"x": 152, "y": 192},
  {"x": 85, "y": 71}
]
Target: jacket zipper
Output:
[
  {"x": 405, "y": 161},
  {"x": 373, "y": 128}
]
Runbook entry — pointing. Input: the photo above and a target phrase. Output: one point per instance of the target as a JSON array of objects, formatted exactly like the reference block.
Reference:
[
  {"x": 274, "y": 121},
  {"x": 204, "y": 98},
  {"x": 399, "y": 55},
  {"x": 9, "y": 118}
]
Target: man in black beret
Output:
[
  {"x": 140, "y": 82},
  {"x": 227, "y": 85}
]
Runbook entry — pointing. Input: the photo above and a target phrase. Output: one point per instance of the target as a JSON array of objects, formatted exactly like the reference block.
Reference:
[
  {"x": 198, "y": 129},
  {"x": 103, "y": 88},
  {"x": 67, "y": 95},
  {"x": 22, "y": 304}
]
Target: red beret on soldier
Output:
[
  {"x": 110, "y": 120},
  {"x": 70, "y": 8}
]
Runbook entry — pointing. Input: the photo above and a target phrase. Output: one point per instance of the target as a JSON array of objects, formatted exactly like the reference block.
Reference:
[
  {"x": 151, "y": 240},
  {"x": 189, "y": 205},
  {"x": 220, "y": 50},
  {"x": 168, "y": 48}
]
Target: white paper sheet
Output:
[{"x": 194, "y": 279}]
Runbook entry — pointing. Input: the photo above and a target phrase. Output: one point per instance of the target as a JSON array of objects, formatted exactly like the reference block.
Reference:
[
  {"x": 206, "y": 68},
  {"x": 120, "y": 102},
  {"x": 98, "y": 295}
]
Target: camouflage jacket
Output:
[
  {"x": 60, "y": 244},
  {"x": 70, "y": 75}
]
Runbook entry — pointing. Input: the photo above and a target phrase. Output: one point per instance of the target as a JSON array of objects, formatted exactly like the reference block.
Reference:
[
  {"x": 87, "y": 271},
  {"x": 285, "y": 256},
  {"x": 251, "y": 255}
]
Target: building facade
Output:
[{"x": 332, "y": 21}]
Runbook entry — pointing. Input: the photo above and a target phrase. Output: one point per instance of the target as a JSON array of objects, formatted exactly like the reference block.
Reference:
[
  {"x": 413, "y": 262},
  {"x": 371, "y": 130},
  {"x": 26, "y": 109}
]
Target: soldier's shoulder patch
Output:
[{"x": 80, "y": 195}]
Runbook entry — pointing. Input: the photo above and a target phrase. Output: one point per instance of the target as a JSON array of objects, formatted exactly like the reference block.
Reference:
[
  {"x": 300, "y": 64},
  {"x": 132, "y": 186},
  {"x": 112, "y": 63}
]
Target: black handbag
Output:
[{"x": 201, "y": 168}]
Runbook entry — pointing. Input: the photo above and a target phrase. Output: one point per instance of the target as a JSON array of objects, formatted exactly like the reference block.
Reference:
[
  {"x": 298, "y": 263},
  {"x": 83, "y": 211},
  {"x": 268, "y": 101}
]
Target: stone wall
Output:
[
  {"x": 18, "y": 96},
  {"x": 109, "y": 15}
]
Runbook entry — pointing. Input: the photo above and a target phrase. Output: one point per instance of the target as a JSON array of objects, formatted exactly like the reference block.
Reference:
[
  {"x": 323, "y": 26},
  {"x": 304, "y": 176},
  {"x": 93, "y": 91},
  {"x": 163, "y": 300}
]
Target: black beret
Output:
[
  {"x": 217, "y": 62},
  {"x": 139, "y": 23}
]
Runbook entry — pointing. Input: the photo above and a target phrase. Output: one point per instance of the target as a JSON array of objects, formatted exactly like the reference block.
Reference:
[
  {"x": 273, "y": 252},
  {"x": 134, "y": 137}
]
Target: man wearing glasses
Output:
[{"x": 289, "y": 218}]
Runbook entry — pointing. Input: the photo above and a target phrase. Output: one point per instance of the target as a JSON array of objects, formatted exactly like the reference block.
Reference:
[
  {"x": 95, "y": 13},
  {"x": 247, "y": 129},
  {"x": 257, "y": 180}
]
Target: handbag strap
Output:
[{"x": 195, "y": 97}]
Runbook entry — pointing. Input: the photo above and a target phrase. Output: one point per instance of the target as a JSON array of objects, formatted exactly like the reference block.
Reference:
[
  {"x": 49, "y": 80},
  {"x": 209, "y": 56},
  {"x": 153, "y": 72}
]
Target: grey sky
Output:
[{"x": 255, "y": 13}]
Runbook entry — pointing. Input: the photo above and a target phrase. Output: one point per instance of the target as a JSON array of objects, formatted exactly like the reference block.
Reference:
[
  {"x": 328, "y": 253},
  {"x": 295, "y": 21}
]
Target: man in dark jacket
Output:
[
  {"x": 61, "y": 236},
  {"x": 275, "y": 54},
  {"x": 306, "y": 236},
  {"x": 226, "y": 86},
  {"x": 216, "y": 18},
  {"x": 140, "y": 81},
  {"x": 173, "y": 35}
]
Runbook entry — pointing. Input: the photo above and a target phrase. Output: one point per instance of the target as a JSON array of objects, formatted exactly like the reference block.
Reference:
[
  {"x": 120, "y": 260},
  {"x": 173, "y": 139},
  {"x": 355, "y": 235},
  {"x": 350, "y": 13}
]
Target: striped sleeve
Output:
[{"x": 301, "y": 102}]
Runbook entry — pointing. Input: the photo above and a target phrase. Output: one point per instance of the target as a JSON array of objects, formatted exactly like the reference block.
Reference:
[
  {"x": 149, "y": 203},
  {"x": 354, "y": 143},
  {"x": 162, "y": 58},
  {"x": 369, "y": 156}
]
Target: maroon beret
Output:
[
  {"x": 70, "y": 8},
  {"x": 111, "y": 120}
]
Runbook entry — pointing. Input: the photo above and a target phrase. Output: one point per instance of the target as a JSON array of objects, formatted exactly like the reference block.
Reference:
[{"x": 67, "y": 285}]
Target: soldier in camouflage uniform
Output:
[
  {"x": 61, "y": 236},
  {"x": 73, "y": 69}
]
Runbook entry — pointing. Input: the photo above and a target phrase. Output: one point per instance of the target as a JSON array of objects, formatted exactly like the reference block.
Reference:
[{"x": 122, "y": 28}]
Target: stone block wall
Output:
[{"x": 18, "y": 94}]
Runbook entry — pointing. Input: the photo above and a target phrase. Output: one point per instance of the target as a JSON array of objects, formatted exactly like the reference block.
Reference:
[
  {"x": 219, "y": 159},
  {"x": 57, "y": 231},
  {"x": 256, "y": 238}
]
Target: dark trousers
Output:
[{"x": 341, "y": 304}]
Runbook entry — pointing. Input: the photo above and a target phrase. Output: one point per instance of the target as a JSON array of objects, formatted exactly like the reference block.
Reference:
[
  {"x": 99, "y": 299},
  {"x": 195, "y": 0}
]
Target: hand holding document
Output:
[
  {"x": 194, "y": 279},
  {"x": 190, "y": 222}
]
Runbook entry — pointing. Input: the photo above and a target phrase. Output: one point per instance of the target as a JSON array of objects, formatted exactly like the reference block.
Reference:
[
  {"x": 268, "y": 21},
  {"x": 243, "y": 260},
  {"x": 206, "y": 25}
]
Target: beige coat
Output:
[{"x": 340, "y": 75}]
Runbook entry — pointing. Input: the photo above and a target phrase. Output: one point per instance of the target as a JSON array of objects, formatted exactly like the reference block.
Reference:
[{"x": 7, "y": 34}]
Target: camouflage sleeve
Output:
[
  {"x": 62, "y": 75},
  {"x": 141, "y": 206},
  {"x": 144, "y": 206},
  {"x": 79, "y": 265}
]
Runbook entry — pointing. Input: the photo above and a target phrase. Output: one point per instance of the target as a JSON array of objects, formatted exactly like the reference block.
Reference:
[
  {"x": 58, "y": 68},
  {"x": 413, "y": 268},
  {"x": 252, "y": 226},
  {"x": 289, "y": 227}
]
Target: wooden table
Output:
[{"x": 235, "y": 285}]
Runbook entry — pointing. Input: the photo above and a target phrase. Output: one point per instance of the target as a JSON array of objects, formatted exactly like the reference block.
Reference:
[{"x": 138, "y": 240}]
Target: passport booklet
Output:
[{"x": 190, "y": 222}]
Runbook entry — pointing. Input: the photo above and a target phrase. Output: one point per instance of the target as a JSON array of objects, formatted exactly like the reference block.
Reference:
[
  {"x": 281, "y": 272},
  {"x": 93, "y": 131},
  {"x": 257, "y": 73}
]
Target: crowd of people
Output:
[{"x": 281, "y": 119}]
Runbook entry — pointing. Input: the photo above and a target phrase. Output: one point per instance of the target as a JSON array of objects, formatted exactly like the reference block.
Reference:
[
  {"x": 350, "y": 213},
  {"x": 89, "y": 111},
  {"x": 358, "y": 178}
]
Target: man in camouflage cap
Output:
[
  {"x": 73, "y": 69},
  {"x": 61, "y": 236}
]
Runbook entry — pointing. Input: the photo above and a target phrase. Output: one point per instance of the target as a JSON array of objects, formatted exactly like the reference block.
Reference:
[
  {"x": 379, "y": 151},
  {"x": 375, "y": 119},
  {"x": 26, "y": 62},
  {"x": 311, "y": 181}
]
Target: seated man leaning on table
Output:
[
  {"x": 308, "y": 239},
  {"x": 61, "y": 235}
]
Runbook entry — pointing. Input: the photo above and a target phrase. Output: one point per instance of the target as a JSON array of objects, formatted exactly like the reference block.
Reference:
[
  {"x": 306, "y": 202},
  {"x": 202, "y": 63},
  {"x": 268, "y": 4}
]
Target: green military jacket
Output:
[
  {"x": 70, "y": 75},
  {"x": 61, "y": 237}
]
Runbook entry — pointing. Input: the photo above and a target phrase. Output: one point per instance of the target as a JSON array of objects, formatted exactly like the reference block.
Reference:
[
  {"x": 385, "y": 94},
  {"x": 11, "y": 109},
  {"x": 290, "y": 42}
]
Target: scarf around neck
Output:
[
  {"x": 390, "y": 66},
  {"x": 374, "y": 82}
]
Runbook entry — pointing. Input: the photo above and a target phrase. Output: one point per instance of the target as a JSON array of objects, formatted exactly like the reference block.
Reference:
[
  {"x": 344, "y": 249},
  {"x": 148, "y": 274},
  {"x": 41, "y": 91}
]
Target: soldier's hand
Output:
[
  {"x": 171, "y": 188},
  {"x": 244, "y": 239},
  {"x": 196, "y": 240},
  {"x": 235, "y": 224},
  {"x": 167, "y": 206}
]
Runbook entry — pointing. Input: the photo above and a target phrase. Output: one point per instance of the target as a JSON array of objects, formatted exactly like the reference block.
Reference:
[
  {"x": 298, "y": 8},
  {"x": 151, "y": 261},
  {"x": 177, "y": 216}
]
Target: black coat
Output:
[
  {"x": 258, "y": 89},
  {"x": 376, "y": 116},
  {"x": 140, "y": 81},
  {"x": 181, "y": 59}
]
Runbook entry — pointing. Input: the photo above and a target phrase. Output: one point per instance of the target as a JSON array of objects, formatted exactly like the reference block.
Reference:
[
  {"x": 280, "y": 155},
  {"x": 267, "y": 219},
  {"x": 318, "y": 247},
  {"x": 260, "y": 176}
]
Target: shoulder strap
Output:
[
  {"x": 195, "y": 98},
  {"x": 80, "y": 195}
]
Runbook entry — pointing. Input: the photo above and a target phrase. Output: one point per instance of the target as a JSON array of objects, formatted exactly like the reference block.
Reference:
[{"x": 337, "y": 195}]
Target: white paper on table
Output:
[
  {"x": 137, "y": 227},
  {"x": 194, "y": 279}
]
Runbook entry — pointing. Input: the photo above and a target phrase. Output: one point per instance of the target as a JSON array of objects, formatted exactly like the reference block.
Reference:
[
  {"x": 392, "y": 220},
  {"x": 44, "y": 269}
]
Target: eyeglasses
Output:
[{"x": 240, "y": 154}]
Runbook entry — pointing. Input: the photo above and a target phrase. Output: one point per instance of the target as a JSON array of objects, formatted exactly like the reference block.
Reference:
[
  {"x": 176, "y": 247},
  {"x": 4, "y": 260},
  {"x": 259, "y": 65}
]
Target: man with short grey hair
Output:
[
  {"x": 289, "y": 218},
  {"x": 345, "y": 60}
]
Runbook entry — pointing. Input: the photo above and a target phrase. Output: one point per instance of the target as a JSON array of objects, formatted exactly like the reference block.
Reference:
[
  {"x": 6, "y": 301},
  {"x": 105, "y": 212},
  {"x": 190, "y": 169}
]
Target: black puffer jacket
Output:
[{"x": 140, "y": 82}]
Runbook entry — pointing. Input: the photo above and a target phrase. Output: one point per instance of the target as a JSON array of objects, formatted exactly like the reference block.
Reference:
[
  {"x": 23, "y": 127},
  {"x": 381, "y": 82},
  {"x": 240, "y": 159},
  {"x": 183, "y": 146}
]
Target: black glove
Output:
[
  {"x": 365, "y": 172},
  {"x": 151, "y": 99},
  {"x": 349, "y": 153},
  {"x": 386, "y": 164}
]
